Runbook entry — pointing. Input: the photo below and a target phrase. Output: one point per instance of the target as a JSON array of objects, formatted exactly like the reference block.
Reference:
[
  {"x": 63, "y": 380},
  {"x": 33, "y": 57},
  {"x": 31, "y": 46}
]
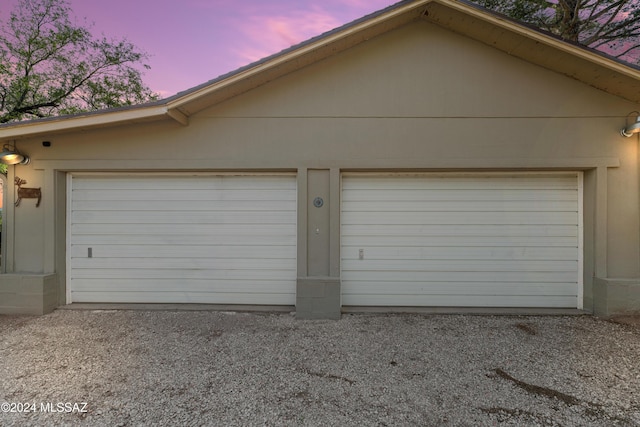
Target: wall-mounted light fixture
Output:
[
  {"x": 632, "y": 128},
  {"x": 11, "y": 156}
]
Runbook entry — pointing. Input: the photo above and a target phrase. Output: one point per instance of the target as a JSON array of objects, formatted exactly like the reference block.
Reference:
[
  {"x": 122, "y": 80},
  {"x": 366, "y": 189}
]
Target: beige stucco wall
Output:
[{"x": 419, "y": 97}]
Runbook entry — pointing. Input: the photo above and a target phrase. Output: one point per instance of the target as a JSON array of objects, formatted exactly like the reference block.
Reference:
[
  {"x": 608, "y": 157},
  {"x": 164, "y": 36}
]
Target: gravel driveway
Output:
[{"x": 218, "y": 368}]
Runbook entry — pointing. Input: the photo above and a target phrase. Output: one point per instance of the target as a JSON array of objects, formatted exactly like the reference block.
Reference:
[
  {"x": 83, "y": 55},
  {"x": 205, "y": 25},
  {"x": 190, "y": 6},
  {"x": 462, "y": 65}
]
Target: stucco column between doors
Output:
[
  {"x": 318, "y": 284},
  {"x": 610, "y": 295}
]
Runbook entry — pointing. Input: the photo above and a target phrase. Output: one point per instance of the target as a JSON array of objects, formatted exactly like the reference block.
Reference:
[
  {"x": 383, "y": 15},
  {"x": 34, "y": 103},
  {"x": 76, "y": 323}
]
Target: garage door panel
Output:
[
  {"x": 185, "y": 297},
  {"x": 479, "y": 218},
  {"x": 454, "y": 194},
  {"x": 444, "y": 241},
  {"x": 195, "y": 205},
  {"x": 495, "y": 239},
  {"x": 460, "y": 253},
  {"x": 422, "y": 265},
  {"x": 457, "y": 276},
  {"x": 471, "y": 181},
  {"x": 184, "y": 251},
  {"x": 465, "y": 230},
  {"x": 208, "y": 236},
  {"x": 128, "y": 218},
  {"x": 462, "y": 205},
  {"x": 170, "y": 263},
  {"x": 186, "y": 285},
  {"x": 190, "y": 230},
  {"x": 177, "y": 275},
  {"x": 162, "y": 183},
  {"x": 183, "y": 195},
  {"x": 462, "y": 288},
  {"x": 203, "y": 238},
  {"x": 422, "y": 300}
]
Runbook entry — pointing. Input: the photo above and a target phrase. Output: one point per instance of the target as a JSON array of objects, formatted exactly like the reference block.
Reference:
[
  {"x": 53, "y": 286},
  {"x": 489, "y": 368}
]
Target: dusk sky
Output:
[{"x": 193, "y": 41}]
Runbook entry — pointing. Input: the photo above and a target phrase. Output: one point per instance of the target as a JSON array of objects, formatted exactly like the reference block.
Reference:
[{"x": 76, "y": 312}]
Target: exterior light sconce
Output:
[
  {"x": 633, "y": 128},
  {"x": 11, "y": 156}
]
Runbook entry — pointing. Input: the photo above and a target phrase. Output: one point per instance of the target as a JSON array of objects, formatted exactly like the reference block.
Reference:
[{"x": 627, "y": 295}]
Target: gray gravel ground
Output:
[{"x": 215, "y": 368}]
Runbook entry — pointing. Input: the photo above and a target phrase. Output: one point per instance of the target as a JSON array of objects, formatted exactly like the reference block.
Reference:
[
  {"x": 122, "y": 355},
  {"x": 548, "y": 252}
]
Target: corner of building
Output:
[
  {"x": 30, "y": 294},
  {"x": 615, "y": 297}
]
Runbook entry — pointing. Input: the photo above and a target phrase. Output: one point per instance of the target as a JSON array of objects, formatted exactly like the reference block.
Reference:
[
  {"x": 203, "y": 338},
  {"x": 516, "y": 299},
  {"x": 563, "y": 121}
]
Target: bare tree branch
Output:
[
  {"x": 49, "y": 66},
  {"x": 601, "y": 24}
]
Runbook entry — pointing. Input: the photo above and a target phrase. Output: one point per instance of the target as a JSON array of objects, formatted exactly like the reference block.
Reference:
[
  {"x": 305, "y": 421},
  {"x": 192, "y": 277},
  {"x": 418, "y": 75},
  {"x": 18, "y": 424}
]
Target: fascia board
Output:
[{"x": 103, "y": 119}]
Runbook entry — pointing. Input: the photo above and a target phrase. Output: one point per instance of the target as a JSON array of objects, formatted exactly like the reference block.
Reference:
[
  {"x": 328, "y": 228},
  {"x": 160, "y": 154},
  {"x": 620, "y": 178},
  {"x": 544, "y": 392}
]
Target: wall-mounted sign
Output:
[{"x": 27, "y": 193}]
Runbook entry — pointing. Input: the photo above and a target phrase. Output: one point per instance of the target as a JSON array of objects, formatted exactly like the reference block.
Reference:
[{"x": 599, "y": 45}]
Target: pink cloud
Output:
[
  {"x": 366, "y": 4},
  {"x": 266, "y": 35}
]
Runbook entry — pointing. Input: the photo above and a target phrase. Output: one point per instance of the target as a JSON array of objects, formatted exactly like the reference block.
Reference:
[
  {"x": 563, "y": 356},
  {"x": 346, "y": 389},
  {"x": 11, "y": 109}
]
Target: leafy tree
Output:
[
  {"x": 612, "y": 26},
  {"x": 49, "y": 65}
]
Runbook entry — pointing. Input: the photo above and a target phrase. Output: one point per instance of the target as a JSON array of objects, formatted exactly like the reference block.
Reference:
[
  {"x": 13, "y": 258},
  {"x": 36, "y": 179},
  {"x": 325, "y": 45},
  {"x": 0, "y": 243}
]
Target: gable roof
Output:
[{"x": 533, "y": 45}]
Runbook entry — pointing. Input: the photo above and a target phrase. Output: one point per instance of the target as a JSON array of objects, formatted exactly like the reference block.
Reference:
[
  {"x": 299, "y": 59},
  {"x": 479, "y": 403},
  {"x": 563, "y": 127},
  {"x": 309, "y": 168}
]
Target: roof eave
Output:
[
  {"x": 587, "y": 65},
  {"x": 20, "y": 130}
]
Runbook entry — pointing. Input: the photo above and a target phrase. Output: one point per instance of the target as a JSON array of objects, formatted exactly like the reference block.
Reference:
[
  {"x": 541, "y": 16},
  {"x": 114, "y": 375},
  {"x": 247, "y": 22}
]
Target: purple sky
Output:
[{"x": 193, "y": 41}]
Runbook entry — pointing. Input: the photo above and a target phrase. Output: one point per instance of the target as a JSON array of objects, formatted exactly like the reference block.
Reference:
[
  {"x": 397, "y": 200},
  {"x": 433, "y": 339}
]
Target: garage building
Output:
[{"x": 430, "y": 155}]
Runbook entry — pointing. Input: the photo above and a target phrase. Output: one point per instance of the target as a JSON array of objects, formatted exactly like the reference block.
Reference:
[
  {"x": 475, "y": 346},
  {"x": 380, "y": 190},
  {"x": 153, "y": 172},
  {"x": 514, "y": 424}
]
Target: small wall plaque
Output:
[{"x": 27, "y": 193}]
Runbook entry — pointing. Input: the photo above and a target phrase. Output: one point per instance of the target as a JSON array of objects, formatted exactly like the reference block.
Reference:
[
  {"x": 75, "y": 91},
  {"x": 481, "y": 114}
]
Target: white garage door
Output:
[
  {"x": 482, "y": 240},
  {"x": 225, "y": 239}
]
